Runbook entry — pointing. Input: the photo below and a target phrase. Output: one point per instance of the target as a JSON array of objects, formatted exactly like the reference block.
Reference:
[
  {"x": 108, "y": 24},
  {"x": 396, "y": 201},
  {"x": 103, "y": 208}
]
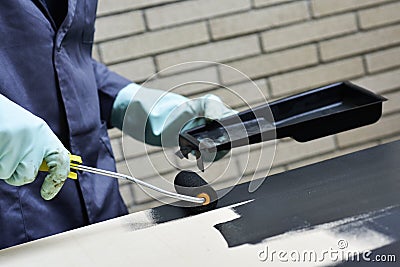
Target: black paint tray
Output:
[{"x": 306, "y": 116}]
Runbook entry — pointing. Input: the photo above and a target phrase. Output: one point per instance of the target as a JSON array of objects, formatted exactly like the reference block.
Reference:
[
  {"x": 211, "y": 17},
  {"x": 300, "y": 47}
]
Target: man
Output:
[{"x": 55, "y": 100}]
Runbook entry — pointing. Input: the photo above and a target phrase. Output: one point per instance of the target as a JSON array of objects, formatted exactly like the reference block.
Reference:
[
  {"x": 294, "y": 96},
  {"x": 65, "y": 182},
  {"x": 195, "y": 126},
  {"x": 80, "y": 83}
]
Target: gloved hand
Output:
[
  {"x": 157, "y": 117},
  {"x": 25, "y": 141}
]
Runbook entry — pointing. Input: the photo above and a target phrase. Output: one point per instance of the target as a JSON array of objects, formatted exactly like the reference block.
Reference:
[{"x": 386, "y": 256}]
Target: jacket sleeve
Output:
[{"x": 109, "y": 84}]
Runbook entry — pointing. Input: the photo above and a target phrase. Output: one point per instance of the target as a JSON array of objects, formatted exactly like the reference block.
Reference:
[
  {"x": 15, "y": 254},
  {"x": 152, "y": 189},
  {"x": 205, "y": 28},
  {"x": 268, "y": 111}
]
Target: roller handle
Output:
[{"x": 74, "y": 161}]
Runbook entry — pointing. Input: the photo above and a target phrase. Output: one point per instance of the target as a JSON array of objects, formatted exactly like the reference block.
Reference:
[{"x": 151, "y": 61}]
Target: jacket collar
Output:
[
  {"x": 45, "y": 12},
  {"x": 68, "y": 18}
]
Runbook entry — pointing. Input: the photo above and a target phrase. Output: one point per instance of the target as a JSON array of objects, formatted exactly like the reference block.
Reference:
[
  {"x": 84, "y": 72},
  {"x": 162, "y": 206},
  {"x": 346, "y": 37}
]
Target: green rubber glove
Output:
[
  {"x": 157, "y": 117},
  {"x": 25, "y": 141}
]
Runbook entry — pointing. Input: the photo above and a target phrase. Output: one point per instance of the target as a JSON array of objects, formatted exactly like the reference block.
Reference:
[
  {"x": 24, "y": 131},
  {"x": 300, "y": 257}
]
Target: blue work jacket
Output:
[{"x": 50, "y": 72}]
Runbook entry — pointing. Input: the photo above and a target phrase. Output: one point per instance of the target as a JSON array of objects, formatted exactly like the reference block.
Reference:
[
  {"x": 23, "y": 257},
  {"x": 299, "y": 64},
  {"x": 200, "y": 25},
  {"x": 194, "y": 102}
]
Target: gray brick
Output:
[
  {"x": 258, "y": 19},
  {"x": 257, "y": 159},
  {"x": 144, "y": 206},
  {"x": 117, "y": 148},
  {"x": 330, "y": 155},
  {"x": 309, "y": 161},
  {"x": 316, "y": 76},
  {"x": 186, "y": 163},
  {"x": 380, "y": 15},
  {"x": 244, "y": 161},
  {"x": 95, "y": 53},
  {"x": 382, "y": 60},
  {"x": 390, "y": 139},
  {"x": 268, "y": 64},
  {"x": 262, "y": 3},
  {"x": 240, "y": 162},
  {"x": 216, "y": 52},
  {"x": 392, "y": 105},
  {"x": 187, "y": 11},
  {"x": 133, "y": 148},
  {"x": 291, "y": 151},
  {"x": 149, "y": 165},
  {"x": 222, "y": 170},
  {"x": 261, "y": 174},
  {"x": 142, "y": 194},
  {"x": 140, "y": 198},
  {"x": 184, "y": 67},
  {"x": 274, "y": 170},
  {"x": 384, "y": 127},
  {"x": 114, "y": 133},
  {"x": 309, "y": 31},
  {"x": 123, "y": 168},
  {"x": 127, "y": 194},
  {"x": 187, "y": 83},
  {"x": 355, "y": 148},
  {"x": 153, "y": 42},
  {"x": 359, "y": 43},
  {"x": 325, "y": 7},
  {"x": 111, "y": 6},
  {"x": 244, "y": 94},
  {"x": 135, "y": 70},
  {"x": 381, "y": 83},
  {"x": 119, "y": 25}
]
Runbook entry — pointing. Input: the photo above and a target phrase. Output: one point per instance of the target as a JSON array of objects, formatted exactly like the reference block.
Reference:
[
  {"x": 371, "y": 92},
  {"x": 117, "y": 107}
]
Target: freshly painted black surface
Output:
[
  {"x": 365, "y": 182},
  {"x": 344, "y": 186},
  {"x": 351, "y": 185}
]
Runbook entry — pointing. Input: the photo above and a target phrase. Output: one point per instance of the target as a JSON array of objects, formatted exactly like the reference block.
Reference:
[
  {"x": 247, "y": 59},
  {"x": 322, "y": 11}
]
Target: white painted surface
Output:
[{"x": 190, "y": 241}]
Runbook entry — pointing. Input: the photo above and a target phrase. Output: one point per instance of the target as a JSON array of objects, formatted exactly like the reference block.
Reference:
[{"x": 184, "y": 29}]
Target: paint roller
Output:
[
  {"x": 191, "y": 184},
  {"x": 197, "y": 194}
]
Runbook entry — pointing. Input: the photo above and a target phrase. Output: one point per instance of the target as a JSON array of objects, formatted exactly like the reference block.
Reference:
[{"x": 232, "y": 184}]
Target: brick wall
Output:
[{"x": 284, "y": 46}]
